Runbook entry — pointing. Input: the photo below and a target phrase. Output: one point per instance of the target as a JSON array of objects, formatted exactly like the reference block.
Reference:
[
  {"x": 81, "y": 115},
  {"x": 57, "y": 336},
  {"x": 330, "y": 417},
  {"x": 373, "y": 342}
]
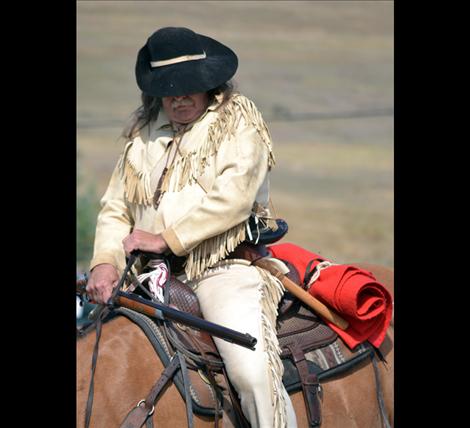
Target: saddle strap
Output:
[
  {"x": 311, "y": 387},
  {"x": 187, "y": 393},
  {"x": 218, "y": 395},
  {"x": 145, "y": 408}
]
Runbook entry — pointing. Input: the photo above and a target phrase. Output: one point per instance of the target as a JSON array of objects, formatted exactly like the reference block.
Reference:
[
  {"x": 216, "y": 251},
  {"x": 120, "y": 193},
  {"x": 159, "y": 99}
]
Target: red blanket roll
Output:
[{"x": 352, "y": 292}]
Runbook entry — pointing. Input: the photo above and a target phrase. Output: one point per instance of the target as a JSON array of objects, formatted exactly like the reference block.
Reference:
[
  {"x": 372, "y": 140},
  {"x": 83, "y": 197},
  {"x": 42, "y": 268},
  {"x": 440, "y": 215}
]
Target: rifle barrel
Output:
[{"x": 159, "y": 311}]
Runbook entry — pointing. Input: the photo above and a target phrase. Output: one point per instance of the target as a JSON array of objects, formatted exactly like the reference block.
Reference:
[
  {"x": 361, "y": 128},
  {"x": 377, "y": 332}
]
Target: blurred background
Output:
[{"x": 320, "y": 72}]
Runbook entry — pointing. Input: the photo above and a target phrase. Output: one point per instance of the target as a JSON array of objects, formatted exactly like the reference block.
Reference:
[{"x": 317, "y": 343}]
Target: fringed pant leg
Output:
[{"x": 245, "y": 298}]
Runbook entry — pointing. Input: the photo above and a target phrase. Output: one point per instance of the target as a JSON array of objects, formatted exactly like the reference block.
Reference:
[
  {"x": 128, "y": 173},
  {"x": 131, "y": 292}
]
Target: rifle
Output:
[{"x": 163, "y": 312}]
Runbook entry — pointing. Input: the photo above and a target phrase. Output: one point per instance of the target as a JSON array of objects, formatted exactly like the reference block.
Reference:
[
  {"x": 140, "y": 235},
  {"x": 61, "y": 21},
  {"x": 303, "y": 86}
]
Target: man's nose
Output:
[{"x": 179, "y": 98}]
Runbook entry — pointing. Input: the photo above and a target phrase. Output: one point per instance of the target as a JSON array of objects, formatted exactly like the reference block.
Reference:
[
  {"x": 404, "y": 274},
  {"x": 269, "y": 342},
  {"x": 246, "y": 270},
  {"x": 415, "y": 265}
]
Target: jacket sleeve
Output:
[
  {"x": 113, "y": 224},
  {"x": 241, "y": 166}
]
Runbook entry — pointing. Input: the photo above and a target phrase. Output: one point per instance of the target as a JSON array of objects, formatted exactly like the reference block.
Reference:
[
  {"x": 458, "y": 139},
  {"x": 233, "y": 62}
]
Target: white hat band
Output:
[{"x": 176, "y": 60}]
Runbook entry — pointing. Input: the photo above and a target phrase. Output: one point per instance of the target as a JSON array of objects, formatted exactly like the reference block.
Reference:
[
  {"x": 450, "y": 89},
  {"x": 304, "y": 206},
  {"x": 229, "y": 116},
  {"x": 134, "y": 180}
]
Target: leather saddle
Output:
[{"x": 309, "y": 350}]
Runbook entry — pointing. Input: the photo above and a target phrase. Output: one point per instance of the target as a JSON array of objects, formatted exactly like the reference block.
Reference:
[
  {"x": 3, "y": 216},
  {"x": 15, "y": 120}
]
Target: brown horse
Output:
[{"x": 128, "y": 366}]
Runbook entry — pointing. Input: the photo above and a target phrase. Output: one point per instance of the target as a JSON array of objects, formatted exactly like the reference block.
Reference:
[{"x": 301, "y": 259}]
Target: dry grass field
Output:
[{"x": 321, "y": 72}]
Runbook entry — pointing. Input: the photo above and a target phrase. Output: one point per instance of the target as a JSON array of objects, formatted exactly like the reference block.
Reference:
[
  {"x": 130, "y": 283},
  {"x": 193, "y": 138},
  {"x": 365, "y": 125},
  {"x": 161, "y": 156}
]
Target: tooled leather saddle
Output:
[{"x": 311, "y": 352}]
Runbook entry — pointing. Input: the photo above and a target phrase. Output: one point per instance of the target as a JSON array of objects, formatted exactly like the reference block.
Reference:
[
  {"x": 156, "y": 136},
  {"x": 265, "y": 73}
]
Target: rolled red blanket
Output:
[{"x": 352, "y": 292}]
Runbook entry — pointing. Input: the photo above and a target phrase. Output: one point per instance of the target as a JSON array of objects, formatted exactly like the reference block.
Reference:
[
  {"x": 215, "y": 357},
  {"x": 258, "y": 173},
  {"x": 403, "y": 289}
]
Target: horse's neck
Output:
[
  {"x": 126, "y": 370},
  {"x": 124, "y": 354}
]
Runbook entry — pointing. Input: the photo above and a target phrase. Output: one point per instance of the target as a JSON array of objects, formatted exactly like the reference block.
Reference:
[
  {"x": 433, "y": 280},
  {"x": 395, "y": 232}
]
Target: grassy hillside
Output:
[{"x": 333, "y": 181}]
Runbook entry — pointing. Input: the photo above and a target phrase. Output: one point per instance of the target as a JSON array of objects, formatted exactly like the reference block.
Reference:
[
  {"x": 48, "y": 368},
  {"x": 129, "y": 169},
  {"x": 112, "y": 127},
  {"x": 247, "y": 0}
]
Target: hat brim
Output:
[{"x": 189, "y": 77}]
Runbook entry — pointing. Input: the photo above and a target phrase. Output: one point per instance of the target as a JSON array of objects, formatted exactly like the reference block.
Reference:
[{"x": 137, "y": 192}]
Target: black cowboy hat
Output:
[{"x": 177, "y": 61}]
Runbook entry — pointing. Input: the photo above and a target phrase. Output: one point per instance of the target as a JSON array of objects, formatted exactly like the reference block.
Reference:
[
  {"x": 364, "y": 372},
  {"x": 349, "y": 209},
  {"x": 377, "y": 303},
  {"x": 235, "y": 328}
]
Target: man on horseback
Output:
[{"x": 192, "y": 178}]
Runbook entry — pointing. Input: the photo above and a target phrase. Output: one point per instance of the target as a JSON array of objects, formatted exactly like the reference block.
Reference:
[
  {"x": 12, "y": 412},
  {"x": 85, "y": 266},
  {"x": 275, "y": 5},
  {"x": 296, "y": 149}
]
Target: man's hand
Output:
[
  {"x": 103, "y": 278},
  {"x": 144, "y": 241}
]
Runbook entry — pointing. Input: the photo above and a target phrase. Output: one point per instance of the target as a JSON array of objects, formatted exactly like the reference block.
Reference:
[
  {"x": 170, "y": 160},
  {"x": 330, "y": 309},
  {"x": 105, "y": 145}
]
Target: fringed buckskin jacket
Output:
[{"x": 217, "y": 176}]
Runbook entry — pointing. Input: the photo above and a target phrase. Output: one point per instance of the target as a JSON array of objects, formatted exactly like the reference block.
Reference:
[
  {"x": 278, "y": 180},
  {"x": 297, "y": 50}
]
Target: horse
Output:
[{"x": 128, "y": 366}]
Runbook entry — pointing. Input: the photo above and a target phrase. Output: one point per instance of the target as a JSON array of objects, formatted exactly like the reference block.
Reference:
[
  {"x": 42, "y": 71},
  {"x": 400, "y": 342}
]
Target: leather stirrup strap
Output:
[
  {"x": 310, "y": 386},
  {"x": 187, "y": 392},
  {"x": 218, "y": 396},
  {"x": 145, "y": 408}
]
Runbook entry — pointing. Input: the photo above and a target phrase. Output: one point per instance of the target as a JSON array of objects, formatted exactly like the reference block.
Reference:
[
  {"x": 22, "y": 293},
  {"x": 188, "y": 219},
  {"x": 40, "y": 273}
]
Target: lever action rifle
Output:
[{"x": 163, "y": 312}]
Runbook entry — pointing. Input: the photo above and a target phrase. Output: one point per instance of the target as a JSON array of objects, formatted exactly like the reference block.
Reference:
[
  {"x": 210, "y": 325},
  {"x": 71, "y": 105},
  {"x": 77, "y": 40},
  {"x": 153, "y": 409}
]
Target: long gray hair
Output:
[{"x": 151, "y": 106}]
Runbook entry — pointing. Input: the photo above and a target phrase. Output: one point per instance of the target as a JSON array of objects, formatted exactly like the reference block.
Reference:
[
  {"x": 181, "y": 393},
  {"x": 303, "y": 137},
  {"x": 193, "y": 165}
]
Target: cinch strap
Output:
[{"x": 176, "y": 60}]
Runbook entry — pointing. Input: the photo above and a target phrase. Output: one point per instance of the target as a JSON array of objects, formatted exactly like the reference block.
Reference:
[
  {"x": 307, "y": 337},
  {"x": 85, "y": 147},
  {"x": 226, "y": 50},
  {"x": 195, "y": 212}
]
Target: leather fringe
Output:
[
  {"x": 185, "y": 170},
  {"x": 271, "y": 293},
  {"x": 136, "y": 178},
  {"x": 213, "y": 250}
]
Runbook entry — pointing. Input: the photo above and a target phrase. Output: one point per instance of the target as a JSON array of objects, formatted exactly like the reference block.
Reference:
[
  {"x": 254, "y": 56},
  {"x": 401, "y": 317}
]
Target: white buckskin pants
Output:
[{"x": 245, "y": 298}]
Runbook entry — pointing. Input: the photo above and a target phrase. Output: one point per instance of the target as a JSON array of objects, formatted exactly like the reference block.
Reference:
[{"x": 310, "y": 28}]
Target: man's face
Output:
[{"x": 185, "y": 109}]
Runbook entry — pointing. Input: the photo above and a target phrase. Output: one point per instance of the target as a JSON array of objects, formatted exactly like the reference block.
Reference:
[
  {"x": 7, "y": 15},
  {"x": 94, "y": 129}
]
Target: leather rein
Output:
[{"x": 101, "y": 312}]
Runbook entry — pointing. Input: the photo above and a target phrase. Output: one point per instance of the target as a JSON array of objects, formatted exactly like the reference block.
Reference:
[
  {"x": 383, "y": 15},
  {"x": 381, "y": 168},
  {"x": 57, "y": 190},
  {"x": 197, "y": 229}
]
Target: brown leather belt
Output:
[{"x": 244, "y": 250}]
